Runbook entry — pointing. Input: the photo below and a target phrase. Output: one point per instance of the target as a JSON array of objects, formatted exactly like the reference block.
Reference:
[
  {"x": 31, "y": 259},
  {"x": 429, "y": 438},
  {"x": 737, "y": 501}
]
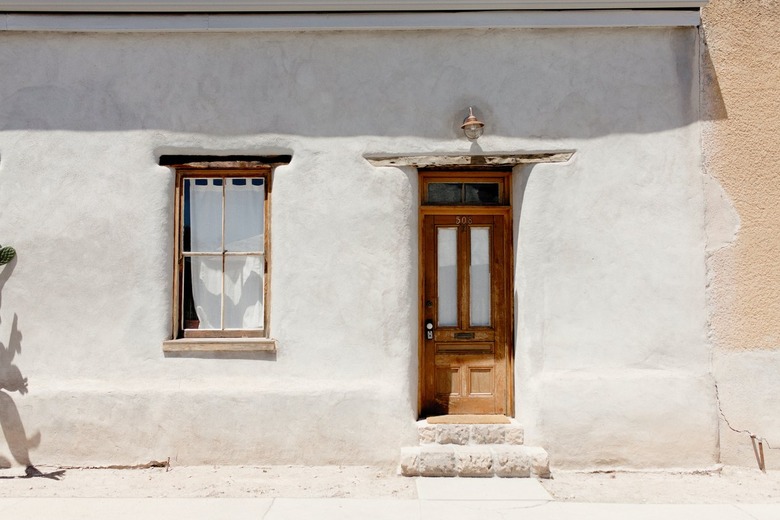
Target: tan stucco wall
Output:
[{"x": 741, "y": 132}]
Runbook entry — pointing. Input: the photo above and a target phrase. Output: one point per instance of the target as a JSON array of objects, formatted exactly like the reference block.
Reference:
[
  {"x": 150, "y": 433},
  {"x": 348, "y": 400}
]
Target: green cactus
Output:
[{"x": 7, "y": 254}]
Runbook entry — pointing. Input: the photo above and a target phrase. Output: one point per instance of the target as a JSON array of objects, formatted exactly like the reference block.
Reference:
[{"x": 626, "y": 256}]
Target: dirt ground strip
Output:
[
  {"x": 730, "y": 485},
  {"x": 211, "y": 481}
]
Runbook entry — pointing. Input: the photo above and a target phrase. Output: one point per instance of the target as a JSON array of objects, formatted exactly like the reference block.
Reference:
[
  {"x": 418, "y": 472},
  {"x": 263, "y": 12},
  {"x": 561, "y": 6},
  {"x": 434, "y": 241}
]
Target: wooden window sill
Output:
[{"x": 220, "y": 345}]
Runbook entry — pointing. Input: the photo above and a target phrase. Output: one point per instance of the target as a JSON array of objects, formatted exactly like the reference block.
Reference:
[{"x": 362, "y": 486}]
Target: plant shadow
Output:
[{"x": 12, "y": 380}]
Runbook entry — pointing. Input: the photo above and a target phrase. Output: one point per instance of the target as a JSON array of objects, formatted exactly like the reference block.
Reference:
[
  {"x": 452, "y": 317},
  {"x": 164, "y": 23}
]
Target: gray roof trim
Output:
[
  {"x": 267, "y": 6},
  {"x": 344, "y": 21}
]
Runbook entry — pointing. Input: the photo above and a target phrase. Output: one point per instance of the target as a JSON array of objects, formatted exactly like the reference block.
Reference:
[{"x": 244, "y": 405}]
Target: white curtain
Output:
[{"x": 243, "y": 298}]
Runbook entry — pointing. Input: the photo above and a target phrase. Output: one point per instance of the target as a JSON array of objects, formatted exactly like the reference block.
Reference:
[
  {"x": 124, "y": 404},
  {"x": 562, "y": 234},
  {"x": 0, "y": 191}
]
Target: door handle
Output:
[{"x": 428, "y": 329}]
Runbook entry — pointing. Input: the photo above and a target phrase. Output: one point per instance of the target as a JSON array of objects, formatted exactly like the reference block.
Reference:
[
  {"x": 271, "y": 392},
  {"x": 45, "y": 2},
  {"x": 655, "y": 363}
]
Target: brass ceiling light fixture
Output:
[{"x": 472, "y": 127}]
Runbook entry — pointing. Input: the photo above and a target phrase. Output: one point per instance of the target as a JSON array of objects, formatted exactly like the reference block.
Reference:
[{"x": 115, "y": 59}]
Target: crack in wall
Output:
[
  {"x": 722, "y": 221},
  {"x": 759, "y": 452}
]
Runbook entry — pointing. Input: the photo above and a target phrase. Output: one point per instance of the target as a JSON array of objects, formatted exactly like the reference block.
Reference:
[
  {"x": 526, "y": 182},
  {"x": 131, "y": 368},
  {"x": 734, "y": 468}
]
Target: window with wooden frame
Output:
[{"x": 221, "y": 268}]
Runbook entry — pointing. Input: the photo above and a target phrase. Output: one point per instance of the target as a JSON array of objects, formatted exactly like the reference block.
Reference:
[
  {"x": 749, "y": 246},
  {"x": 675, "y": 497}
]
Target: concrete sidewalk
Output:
[{"x": 451, "y": 499}]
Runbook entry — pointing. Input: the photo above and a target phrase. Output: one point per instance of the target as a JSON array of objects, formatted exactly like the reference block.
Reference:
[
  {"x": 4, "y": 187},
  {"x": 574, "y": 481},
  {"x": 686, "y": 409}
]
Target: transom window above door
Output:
[{"x": 477, "y": 189}]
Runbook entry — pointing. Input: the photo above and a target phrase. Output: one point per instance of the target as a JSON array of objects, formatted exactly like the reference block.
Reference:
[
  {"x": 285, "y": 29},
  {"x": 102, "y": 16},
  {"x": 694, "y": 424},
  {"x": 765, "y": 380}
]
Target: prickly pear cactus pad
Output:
[{"x": 7, "y": 254}]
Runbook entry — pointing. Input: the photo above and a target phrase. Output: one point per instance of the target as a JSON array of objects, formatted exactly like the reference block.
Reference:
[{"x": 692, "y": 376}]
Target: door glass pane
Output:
[
  {"x": 203, "y": 215},
  {"x": 447, "y": 275},
  {"x": 244, "y": 215},
  {"x": 481, "y": 193},
  {"x": 444, "y": 193},
  {"x": 479, "y": 276}
]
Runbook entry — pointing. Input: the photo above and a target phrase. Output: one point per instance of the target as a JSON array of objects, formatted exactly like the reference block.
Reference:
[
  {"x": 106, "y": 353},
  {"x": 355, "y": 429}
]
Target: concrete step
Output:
[
  {"x": 470, "y": 434},
  {"x": 474, "y": 460}
]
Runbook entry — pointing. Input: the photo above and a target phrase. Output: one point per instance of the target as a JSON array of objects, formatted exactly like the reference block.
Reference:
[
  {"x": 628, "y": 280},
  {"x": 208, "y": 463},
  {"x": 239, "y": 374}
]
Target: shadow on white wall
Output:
[{"x": 11, "y": 380}]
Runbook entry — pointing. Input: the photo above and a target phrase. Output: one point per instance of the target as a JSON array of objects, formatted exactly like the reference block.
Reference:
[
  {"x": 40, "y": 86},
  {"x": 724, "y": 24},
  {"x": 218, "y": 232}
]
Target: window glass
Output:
[
  {"x": 190, "y": 315},
  {"x": 206, "y": 279},
  {"x": 203, "y": 215},
  {"x": 454, "y": 193},
  {"x": 447, "y": 275},
  {"x": 479, "y": 276},
  {"x": 222, "y": 260},
  {"x": 444, "y": 192},
  {"x": 243, "y": 292},
  {"x": 481, "y": 193},
  {"x": 243, "y": 215}
]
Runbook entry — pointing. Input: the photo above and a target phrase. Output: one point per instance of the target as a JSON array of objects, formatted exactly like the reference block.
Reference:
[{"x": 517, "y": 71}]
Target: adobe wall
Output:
[
  {"x": 741, "y": 133},
  {"x": 613, "y": 365}
]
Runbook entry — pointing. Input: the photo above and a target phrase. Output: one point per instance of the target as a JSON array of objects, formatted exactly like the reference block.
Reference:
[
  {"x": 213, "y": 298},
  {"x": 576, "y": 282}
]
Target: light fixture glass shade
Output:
[
  {"x": 473, "y": 131},
  {"x": 472, "y": 127}
]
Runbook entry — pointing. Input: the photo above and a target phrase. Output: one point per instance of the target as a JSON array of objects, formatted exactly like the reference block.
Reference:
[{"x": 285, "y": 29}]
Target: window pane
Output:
[
  {"x": 243, "y": 292},
  {"x": 190, "y": 317},
  {"x": 447, "y": 276},
  {"x": 203, "y": 215},
  {"x": 444, "y": 193},
  {"x": 479, "y": 276},
  {"x": 482, "y": 193},
  {"x": 244, "y": 215},
  {"x": 206, "y": 281}
]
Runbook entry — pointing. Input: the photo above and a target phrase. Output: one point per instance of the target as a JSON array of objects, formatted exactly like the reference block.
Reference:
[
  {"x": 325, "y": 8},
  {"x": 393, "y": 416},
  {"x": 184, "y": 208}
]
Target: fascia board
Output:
[
  {"x": 344, "y": 21},
  {"x": 276, "y": 6}
]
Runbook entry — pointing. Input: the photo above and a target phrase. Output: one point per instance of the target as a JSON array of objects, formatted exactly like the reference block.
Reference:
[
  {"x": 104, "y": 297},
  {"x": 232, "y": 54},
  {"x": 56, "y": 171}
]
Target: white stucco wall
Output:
[{"x": 612, "y": 364}]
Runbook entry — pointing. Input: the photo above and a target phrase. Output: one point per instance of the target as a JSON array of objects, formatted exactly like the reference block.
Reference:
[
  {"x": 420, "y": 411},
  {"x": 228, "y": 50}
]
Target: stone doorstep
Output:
[
  {"x": 452, "y": 460},
  {"x": 470, "y": 434}
]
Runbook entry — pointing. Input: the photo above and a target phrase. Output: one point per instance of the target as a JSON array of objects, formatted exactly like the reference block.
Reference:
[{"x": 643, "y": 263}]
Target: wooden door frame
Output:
[{"x": 505, "y": 177}]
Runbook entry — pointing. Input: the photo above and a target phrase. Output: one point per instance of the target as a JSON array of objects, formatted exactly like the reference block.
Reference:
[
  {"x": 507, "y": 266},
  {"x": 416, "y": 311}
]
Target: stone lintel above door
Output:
[{"x": 449, "y": 160}]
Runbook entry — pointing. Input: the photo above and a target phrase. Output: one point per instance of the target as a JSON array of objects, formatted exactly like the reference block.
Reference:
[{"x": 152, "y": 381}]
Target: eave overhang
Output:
[{"x": 327, "y": 6}]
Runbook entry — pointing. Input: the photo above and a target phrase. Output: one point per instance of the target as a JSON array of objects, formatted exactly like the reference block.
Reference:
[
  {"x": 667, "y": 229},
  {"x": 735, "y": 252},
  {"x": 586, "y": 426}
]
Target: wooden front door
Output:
[{"x": 466, "y": 311}]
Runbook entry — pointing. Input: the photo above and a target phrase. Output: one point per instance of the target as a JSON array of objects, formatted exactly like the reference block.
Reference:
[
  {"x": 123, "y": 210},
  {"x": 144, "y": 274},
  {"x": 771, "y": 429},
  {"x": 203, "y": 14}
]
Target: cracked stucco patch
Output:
[
  {"x": 746, "y": 388},
  {"x": 721, "y": 220},
  {"x": 721, "y": 227}
]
